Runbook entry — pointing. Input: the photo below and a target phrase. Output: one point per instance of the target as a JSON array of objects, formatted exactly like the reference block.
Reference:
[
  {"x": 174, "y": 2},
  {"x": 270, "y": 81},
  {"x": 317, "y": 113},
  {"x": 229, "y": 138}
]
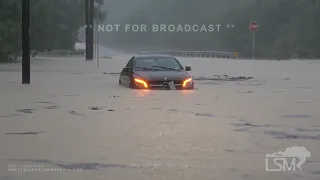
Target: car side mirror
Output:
[
  {"x": 126, "y": 69},
  {"x": 188, "y": 68}
]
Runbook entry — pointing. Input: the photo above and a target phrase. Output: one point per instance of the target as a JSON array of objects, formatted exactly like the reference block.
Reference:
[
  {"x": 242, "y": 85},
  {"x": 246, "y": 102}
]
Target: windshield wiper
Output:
[
  {"x": 163, "y": 67},
  {"x": 149, "y": 69}
]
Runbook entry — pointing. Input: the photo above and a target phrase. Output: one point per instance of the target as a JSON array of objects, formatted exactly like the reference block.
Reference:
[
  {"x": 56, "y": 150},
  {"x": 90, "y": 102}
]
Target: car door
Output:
[{"x": 126, "y": 75}]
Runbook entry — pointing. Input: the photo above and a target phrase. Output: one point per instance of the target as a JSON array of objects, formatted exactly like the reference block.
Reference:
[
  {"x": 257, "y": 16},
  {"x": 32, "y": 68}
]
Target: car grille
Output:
[{"x": 159, "y": 84}]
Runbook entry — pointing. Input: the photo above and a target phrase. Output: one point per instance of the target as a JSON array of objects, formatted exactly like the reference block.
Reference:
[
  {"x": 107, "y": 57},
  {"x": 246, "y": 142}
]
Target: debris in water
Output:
[
  {"x": 76, "y": 113},
  {"x": 155, "y": 108},
  {"x": 284, "y": 135},
  {"x": 74, "y": 94},
  {"x": 247, "y": 92},
  {"x": 205, "y": 114},
  {"x": 296, "y": 116},
  {"x": 24, "y": 133},
  {"x": 302, "y": 87},
  {"x": 26, "y": 110},
  {"x": 45, "y": 102},
  {"x": 172, "y": 110},
  {"x": 223, "y": 78},
  {"x": 111, "y": 73},
  {"x": 95, "y": 108},
  {"x": 51, "y": 107},
  {"x": 307, "y": 130},
  {"x": 229, "y": 150},
  {"x": 9, "y": 116},
  {"x": 79, "y": 166}
]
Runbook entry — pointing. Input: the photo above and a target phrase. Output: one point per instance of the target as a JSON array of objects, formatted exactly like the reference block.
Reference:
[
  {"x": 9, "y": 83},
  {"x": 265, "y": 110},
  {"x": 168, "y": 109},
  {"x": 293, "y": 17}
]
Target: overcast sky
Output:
[{"x": 121, "y": 9}]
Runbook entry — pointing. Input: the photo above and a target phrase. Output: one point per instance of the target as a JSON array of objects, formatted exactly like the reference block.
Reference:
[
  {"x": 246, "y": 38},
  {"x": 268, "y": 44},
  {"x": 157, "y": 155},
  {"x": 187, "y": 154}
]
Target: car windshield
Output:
[{"x": 165, "y": 64}]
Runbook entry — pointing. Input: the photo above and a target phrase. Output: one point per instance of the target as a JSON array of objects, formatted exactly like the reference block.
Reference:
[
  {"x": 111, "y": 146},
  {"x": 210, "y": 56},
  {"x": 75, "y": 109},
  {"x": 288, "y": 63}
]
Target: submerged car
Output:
[{"x": 149, "y": 71}]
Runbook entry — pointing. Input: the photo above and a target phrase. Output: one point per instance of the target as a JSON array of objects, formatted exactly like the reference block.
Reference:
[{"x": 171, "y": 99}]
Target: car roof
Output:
[{"x": 152, "y": 56}]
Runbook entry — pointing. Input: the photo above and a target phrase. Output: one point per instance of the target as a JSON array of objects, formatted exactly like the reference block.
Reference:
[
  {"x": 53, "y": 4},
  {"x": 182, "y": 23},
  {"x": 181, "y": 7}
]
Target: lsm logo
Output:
[{"x": 289, "y": 160}]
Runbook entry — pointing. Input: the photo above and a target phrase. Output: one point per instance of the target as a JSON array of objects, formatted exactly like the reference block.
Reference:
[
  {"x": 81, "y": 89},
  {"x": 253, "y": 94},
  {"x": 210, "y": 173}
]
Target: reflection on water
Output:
[
  {"x": 141, "y": 93},
  {"x": 187, "y": 92},
  {"x": 138, "y": 93}
]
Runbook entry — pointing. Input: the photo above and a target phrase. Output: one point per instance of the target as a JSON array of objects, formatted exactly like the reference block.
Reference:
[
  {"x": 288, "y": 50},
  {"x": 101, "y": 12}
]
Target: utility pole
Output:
[
  {"x": 97, "y": 35},
  {"x": 96, "y": 38},
  {"x": 91, "y": 21},
  {"x": 25, "y": 41},
  {"x": 89, "y": 12}
]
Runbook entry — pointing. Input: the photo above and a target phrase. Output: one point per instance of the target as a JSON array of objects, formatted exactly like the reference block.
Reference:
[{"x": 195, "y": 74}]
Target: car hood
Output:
[{"x": 161, "y": 75}]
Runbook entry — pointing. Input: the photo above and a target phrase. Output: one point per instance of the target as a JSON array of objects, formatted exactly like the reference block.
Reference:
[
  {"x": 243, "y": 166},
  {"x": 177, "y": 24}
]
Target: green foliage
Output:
[
  {"x": 9, "y": 27},
  {"x": 54, "y": 24}
]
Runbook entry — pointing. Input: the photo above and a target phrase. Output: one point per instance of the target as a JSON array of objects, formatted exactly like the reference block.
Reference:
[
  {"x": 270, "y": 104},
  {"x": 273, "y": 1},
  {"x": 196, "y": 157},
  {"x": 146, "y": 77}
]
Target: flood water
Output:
[{"x": 74, "y": 115}]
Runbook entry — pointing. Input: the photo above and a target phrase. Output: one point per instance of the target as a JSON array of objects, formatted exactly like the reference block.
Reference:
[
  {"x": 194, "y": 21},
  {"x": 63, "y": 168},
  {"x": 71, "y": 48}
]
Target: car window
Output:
[
  {"x": 130, "y": 63},
  {"x": 158, "y": 62}
]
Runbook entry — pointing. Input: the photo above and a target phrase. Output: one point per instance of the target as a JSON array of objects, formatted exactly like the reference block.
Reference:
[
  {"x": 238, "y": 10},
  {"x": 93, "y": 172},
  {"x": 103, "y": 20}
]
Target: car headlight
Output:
[
  {"x": 187, "y": 82},
  {"x": 141, "y": 82}
]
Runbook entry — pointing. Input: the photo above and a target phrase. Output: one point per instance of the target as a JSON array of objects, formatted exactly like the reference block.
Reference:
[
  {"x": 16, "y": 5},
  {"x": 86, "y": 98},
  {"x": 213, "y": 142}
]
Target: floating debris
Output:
[
  {"x": 9, "y": 116},
  {"x": 302, "y": 87},
  {"x": 246, "y": 92},
  {"x": 24, "y": 133},
  {"x": 45, "y": 102},
  {"x": 307, "y": 130},
  {"x": 80, "y": 166},
  {"x": 284, "y": 135},
  {"x": 52, "y": 107},
  {"x": 74, "y": 94},
  {"x": 76, "y": 113},
  {"x": 156, "y": 108},
  {"x": 26, "y": 110},
  {"x": 296, "y": 116},
  {"x": 172, "y": 110},
  {"x": 111, "y": 73},
  {"x": 95, "y": 108},
  {"x": 205, "y": 114},
  {"x": 229, "y": 150},
  {"x": 106, "y": 57},
  {"x": 222, "y": 78}
]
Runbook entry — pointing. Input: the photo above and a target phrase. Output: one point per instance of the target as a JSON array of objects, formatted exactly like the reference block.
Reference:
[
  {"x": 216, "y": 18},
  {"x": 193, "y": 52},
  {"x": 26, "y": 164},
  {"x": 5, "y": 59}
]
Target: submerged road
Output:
[{"x": 75, "y": 116}]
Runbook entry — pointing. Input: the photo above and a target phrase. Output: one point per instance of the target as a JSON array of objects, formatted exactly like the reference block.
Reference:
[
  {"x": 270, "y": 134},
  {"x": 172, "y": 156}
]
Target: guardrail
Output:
[
  {"x": 204, "y": 54},
  {"x": 17, "y": 55},
  {"x": 63, "y": 52},
  {"x": 34, "y": 53}
]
